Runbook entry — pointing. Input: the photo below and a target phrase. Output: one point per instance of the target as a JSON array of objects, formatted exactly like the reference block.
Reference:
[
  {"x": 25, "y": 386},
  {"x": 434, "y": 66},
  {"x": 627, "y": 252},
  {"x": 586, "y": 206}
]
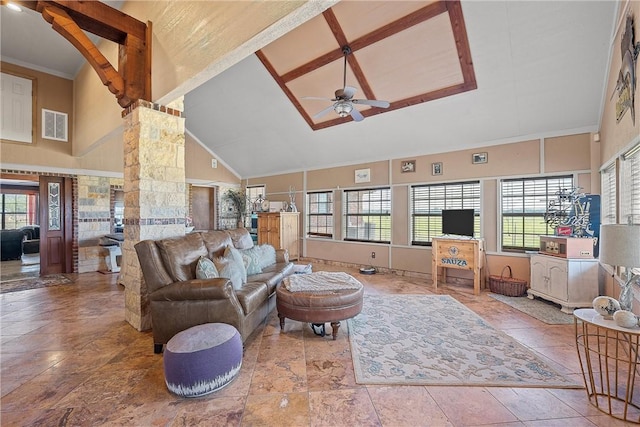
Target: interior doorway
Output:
[{"x": 203, "y": 212}]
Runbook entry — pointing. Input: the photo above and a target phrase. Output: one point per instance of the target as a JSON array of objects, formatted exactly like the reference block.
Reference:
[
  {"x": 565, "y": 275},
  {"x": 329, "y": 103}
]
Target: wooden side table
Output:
[{"x": 610, "y": 364}]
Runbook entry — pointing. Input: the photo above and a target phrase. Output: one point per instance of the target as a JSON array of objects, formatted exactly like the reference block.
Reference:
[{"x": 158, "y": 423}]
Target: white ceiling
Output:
[{"x": 540, "y": 69}]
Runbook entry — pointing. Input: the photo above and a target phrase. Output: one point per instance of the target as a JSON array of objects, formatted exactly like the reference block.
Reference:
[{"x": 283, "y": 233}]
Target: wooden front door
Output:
[{"x": 56, "y": 254}]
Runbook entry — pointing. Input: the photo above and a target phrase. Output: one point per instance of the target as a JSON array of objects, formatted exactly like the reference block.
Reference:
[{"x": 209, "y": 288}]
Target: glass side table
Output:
[{"x": 610, "y": 364}]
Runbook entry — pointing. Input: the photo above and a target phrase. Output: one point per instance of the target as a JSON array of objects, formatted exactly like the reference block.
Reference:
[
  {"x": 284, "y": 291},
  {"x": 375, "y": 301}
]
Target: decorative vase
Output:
[
  {"x": 625, "y": 318},
  {"x": 606, "y": 306}
]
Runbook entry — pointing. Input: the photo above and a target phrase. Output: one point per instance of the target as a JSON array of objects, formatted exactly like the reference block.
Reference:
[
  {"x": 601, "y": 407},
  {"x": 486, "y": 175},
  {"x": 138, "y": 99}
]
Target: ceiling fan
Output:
[{"x": 343, "y": 101}]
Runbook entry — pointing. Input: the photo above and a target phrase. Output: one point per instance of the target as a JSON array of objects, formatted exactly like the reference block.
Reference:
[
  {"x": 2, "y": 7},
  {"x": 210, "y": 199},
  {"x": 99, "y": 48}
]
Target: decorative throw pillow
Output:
[
  {"x": 268, "y": 256},
  {"x": 206, "y": 269},
  {"x": 229, "y": 269},
  {"x": 233, "y": 253},
  {"x": 252, "y": 260}
]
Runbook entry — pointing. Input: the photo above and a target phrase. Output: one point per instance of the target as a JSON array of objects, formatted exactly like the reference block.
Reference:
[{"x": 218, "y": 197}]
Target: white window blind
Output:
[
  {"x": 428, "y": 201},
  {"x": 608, "y": 194},
  {"x": 630, "y": 187}
]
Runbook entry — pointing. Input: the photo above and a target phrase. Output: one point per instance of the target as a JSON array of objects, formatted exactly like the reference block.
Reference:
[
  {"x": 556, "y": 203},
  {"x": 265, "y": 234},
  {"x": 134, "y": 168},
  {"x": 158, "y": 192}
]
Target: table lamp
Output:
[{"x": 620, "y": 246}]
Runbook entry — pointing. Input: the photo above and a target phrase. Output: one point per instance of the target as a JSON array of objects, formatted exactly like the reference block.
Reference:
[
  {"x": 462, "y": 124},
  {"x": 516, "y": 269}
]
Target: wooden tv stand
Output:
[{"x": 458, "y": 253}]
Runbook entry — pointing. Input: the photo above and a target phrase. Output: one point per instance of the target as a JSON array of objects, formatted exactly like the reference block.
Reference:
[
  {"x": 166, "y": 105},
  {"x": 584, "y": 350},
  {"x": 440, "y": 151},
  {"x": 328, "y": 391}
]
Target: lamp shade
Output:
[{"x": 620, "y": 245}]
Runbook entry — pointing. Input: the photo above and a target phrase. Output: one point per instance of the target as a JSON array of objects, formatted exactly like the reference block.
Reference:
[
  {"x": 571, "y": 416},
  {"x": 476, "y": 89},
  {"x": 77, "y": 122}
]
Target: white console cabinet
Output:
[{"x": 571, "y": 283}]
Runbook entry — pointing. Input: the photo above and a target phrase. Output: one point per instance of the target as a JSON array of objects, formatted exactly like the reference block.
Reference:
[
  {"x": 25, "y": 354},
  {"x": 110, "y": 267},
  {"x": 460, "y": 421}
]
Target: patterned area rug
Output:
[
  {"x": 23, "y": 284},
  {"x": 435, "y": 340},
  {"x": 544, "y": 311}
]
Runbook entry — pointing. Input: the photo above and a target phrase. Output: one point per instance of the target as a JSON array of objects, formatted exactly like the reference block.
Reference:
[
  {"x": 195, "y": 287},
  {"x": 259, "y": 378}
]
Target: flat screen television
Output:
[{"x": 458, "y": 222}]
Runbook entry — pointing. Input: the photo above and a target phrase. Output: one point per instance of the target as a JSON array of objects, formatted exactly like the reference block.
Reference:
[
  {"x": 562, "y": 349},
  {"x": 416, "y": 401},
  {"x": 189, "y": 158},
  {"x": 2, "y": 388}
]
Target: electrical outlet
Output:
[
  {"x": 214, "y": 163},
  {"x": 373, "y": 255}
]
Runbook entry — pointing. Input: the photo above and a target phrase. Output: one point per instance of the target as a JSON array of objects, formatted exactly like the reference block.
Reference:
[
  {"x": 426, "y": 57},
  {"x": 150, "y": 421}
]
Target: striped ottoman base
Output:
[{"x": 202, "y": 359}]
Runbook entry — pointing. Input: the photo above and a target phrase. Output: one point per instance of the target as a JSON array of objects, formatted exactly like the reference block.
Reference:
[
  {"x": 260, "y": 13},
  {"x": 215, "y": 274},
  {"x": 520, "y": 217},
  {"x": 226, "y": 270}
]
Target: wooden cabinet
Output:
[
  {"x": 569, "y": 282},
  {"x": 462, "y": 254},
  {"x": 280, "y": 230}
]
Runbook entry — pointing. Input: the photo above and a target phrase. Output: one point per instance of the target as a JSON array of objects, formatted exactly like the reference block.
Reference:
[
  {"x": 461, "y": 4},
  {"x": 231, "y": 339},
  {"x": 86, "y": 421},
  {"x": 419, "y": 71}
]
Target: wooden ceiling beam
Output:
[
  {"x": 132, "y": 80},
  {"x": 63, "y": 24}
]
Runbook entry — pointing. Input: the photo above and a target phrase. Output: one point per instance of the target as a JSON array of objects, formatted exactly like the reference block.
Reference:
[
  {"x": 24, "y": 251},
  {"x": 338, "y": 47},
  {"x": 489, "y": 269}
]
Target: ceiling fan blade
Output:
[
  {"x": 318, "y": 98},
  {"x": 372, "y": 102},
  {"x": 357, "y": 117},
  {"x": 323, "y": 112},
  {"x": 348, "y": 92}
]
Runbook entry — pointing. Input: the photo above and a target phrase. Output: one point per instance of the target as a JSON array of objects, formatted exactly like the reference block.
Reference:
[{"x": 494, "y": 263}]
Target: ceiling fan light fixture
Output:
[{"x": 343, "y": 109}]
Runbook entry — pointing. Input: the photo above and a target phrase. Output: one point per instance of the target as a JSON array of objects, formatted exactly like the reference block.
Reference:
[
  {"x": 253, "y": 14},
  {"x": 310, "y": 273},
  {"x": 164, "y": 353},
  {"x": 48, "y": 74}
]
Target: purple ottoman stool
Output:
[{"x": 202, "y": 359}]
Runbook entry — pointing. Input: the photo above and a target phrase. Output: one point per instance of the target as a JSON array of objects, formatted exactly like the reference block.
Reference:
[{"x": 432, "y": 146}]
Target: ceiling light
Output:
[
  {"x": 14, "y": 6},
  {"x": 343, "y": 108}
]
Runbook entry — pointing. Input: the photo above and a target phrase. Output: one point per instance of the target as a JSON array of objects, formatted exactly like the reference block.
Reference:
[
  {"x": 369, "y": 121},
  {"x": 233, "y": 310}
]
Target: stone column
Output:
[{"x": 154, "y": 188}]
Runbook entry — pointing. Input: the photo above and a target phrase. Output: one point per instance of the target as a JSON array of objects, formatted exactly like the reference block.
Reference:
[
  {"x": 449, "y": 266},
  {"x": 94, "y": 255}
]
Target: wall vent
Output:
[{"x": 54, "y": 125}]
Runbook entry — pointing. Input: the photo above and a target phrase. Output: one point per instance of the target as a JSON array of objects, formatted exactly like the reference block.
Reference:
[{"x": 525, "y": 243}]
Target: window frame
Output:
[
  {"x": 383, "y": 216},
  {"x": 473, "y": 201},
  {"x": 630, "y": 186},
  {"x": 531, "y": 213},
  {"x": 315, "y": 213}
]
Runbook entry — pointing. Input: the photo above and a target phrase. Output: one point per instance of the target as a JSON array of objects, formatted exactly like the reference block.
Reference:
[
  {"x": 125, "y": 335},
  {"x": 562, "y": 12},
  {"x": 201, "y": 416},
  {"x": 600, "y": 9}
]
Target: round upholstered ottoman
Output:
[
  {"x": 318, "y": 298},
  {"x": 202, "y": 359}
]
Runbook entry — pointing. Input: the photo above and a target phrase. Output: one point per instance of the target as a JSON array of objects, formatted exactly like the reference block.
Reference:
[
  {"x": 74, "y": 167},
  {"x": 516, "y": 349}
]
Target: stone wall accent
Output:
[
  {"x": 94, "y": 220},
  {"x": 155, "y": 193}
]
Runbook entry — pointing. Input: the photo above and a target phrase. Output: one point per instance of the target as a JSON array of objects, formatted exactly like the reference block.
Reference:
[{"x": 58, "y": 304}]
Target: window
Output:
[
  {"x": 608, "y": 196},
  {"x": 630, "y": 187},
  {"x": 320, "y": 214},
  {"x": 524, "y": 204},
  {"x": 428, "y": 201},
  {"x": 368, "y": 215},
  {"x": 18, "y": 210},
  {"x": 254, "y": 193}
]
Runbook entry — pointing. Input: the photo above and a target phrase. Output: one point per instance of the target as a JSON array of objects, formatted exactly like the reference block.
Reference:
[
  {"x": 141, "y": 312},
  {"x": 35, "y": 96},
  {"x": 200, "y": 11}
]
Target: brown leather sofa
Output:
[{"x": 179, "y": 301}]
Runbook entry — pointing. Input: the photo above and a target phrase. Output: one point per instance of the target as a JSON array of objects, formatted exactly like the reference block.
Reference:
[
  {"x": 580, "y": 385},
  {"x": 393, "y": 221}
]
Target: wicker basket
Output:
[{"x": 507, "y": 285}]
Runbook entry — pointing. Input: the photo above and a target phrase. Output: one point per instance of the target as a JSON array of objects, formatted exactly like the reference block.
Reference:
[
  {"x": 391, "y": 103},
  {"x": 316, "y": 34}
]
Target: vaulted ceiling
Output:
[
  {"x": 531, "y": 69},
  {"x": 405, "y": 53}
]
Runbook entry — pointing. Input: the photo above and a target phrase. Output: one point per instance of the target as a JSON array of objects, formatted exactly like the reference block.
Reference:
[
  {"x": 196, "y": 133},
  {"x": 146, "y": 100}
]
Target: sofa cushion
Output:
[
  {"x": 216, "y": 241},
  {"x": 272, "y": 275},
  {"x": 268, "y": 256},
  {"x": 206, "y": 269},
  {"x": 228, "y": 268},
  {"x": 251, "y": 296},
  {"x": 237, "y": 258},
  {"x": 181, "y": 254},
  {"x": 252, "y": 258},
  {"x": 241, "y": 238}
]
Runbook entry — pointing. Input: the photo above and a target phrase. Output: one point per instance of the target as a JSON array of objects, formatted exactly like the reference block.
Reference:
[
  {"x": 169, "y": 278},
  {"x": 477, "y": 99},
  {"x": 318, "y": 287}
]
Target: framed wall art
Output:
[
  {"x": 477, "y": 158},
  {"x": 436, "y": 168},
  {"x": 362, "y": 175},
  {"x": 408, "y": 166}
]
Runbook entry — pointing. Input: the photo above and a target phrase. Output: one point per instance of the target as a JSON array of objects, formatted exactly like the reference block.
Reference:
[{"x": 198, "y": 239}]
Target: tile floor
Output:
[{"x": 68, "y": 358}]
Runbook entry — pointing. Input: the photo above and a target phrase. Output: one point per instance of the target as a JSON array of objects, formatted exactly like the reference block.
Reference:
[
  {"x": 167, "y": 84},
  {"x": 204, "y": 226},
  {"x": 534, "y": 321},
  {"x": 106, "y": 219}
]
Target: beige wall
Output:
[
  {"x": 53, "y": 93},
  {"x": 198, "y": 165},
  {"x": 504, "y": 161}
]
